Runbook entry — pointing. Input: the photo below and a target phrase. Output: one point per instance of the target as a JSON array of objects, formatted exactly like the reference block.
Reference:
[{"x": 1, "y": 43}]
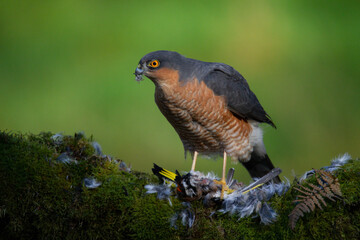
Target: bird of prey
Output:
[{"x": 211, "y": 107}]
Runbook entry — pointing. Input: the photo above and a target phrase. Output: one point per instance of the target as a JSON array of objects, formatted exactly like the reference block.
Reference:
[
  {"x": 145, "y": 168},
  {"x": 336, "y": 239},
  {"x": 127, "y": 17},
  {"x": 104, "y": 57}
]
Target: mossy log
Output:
[{"x": 42, "y": 197}]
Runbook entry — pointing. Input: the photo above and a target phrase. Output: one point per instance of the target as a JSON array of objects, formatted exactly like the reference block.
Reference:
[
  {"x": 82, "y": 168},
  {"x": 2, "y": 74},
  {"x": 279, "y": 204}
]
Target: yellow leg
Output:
[
  {"x": 194, "y": 161},
  {"x": 224, "y": 168},
  {"x": 223, "y": 181}
]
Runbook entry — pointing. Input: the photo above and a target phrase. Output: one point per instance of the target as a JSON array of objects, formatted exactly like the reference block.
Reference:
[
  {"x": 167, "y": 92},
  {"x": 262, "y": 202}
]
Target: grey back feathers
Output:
[{"x": 242, "y": 102}]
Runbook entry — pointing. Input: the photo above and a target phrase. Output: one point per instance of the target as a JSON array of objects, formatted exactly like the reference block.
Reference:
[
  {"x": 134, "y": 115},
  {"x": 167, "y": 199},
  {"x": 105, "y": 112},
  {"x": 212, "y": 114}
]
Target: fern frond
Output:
[
  {"x": 317, "y": 203},
  {"x": 328, "y": 188}
]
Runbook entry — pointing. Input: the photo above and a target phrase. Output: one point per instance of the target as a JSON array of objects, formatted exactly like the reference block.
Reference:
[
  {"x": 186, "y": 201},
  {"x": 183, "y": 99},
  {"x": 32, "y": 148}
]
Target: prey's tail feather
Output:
[
  {"x": 259, "y": 166},
  {"x": 162, "y": 173}
]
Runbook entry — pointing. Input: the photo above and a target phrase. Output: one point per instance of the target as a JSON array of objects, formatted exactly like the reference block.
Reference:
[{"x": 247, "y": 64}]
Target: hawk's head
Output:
[{"x": 155, "y": 65}]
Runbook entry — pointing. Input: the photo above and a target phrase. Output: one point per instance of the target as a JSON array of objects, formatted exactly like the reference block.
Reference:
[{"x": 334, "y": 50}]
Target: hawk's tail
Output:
[{"x": 258, "y": 166}]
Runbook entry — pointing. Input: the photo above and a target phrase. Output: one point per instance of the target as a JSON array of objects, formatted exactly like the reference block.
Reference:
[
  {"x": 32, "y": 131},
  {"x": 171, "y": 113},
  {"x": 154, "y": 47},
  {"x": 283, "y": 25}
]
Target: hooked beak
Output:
[{"x": 139, "y": 73}]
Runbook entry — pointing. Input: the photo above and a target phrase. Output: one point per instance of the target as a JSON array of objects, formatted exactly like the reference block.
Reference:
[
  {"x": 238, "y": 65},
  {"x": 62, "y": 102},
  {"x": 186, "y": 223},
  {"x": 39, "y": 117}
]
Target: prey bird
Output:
[{"x": 211, "y": 107}]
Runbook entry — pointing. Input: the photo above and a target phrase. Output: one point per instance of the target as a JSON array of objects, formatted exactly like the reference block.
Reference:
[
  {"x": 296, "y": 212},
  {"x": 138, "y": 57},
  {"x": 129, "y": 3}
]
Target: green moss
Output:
[{"x": 42, "y": 198}]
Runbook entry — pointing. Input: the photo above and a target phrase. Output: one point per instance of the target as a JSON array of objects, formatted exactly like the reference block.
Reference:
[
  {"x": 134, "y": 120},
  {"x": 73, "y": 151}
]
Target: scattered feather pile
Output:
[
  {"x": 312, "y": 195},
  {"x": 73, "y": 156},
  {"x": 163, "y": 191},
  {"x": 186, "y": 215},
  {"x": 254, "y": 201},
  {"x": 239, "y": 200},
  {"x": 335, "y": 164}
]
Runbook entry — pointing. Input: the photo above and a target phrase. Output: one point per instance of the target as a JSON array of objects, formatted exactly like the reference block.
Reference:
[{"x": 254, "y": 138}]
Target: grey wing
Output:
[{"x": 242, "y": 102}]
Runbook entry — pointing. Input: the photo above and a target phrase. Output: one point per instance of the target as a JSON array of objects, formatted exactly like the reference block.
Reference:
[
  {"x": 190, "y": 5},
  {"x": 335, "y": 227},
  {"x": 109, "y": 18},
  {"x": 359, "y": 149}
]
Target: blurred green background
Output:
[{"x": 66, "y": 66}]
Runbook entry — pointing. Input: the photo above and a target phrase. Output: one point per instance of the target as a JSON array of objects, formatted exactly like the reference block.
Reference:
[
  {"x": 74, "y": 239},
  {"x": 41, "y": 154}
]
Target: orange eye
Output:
[{"x": 154, "y": 63}]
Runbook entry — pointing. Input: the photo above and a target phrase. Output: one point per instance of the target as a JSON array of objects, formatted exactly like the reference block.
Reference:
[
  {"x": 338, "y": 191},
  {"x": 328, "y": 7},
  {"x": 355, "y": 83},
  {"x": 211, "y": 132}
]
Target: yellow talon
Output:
[
  {"x": 230, "y": 190},
  {"x": 224, "y": 187}
]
